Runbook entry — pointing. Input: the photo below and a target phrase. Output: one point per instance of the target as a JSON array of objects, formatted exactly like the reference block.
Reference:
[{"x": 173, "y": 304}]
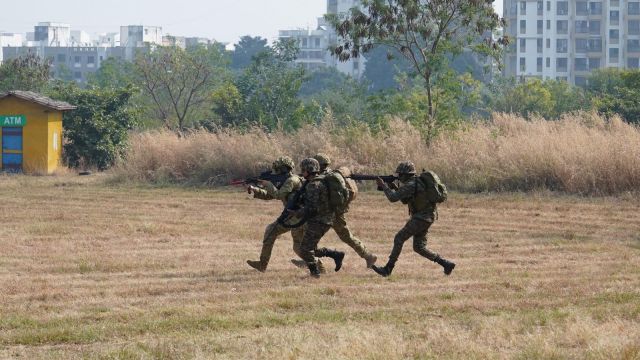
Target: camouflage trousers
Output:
[
  {"x": 342, "y": 230},
  {"x": 313, "y": 232},
  {"x": 417, "y": 228},
  {"x": 271, "y": 233}
]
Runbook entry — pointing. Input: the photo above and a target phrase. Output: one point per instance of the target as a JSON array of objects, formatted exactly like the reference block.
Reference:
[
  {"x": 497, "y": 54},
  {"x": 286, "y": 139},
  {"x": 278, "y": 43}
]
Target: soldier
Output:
[
  {"x": 319, "y": 218},
  {"x": 412, "y": 192},
  {"x": 340, "y": 222},
  {"x": 282, "y": 165}
]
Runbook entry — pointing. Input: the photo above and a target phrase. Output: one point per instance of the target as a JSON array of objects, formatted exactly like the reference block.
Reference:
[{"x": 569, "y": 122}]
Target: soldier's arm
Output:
[
  {"x": 404, "y": 193},
  {"x": 287, "y": 188},
  {"x": 261, "y": 194}
]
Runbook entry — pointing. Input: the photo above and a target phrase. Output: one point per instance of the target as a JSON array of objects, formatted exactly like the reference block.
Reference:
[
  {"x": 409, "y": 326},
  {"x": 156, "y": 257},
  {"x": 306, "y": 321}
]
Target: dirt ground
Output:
[{"x": 98, "y": 271}]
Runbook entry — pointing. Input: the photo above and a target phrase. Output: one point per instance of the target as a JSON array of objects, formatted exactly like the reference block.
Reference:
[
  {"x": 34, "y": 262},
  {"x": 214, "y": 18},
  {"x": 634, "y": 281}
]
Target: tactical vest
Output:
[{"x": 420, "y": 201}]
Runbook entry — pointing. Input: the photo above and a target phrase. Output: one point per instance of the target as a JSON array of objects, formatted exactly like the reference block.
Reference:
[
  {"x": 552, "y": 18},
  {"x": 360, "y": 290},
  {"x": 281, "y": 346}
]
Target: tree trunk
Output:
[{"x": 430, "y": 120}]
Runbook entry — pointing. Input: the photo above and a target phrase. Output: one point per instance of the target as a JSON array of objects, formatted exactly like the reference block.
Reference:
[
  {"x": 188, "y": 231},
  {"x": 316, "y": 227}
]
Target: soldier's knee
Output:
[
  {"x": 399, "y": 239},
  {"x": 419, "y": 247}
]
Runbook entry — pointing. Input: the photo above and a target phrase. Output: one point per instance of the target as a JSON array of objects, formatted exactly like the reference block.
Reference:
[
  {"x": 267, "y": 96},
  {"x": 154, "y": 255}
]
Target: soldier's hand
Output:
[
  {"x": 250, "y": 189},
  {"x": 380, "y": 183}
]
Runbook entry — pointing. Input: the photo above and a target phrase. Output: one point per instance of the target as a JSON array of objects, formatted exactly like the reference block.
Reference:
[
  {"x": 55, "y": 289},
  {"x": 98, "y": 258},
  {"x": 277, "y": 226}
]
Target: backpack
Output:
[
  {"x": 352, "y": 187},
  {"x": 435, "y": 190},
  {"x": 337, "y": 191}
]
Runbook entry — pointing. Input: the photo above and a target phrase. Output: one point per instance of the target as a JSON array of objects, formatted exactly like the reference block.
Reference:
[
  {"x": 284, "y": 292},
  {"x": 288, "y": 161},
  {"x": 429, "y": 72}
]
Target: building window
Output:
[
  {"x": 539, "y": 64},
  {"x": 540, "y": 26},
  {"x": 582, "y": 8},
  {"x": 317, "y": 42},
  {"x": 77, "y": 75},
  {"x": 614, "y": 36},
  {"x": 61, "y": 58},
  {"x": 562, "y": 27},
  {"x": 562, "y": 8},
  {"x": 595, "y": 8},
  {"x": 595, "y": 45},
  {"x": 539, "y": 45},
  {"x": 523, "y": 64},
  {"x": 582, "y": 45},
  {"x": 548, "y": 5},
  {"x": 581, "y": 81},
  {"x": 548, "y": 24},
  {"x": 633, "y": 63},
  {"x": 634, "y": 8},
  {"x": 594, "y": 27},
  {"x": 594, "y": 63},
  {"x": 91, "y": 60},
  {"x": 580, "y": 64},
  {"x": 523, "y": 8},
  {"x": 540, "y": 7},
  {"x": 561, "y": 64},
  {"x": 582, "y": 26},
  {"x": 548, "y": 62},
  {"x": 561, "y": 46},
  {"x": 548, "y": 43},
  {"x": 613, "y": 55},
  {"x": 523, "y": 26},
  {"x": 633, "y": 45},
  {"x": 304, "y": 42},
  {"x": 614, "y": 17},
  {"x": 523, "y": 45},
  {"x": 634, "y": 27}
]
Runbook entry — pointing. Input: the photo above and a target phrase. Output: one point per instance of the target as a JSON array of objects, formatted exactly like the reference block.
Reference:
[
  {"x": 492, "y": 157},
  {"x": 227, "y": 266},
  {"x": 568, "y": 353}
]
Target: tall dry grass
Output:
[{"x": 582, "y": 153}]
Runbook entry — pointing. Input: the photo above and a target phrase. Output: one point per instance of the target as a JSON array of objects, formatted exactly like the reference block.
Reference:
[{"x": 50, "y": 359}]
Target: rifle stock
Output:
[{"x": 276, "y": 179}]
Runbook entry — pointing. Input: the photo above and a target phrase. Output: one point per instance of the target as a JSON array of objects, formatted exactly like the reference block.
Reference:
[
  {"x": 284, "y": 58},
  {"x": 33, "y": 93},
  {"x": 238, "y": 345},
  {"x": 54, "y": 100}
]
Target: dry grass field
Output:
[{"x": 93, "y": 271}]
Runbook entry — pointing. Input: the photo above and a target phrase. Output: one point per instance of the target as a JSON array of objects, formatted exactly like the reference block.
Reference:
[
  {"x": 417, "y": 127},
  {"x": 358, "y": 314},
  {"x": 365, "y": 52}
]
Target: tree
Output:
[
  {"x": 425, "y": 32},
  {"x": 178, "y": 81},
  {"x": 95, "y": 132},
  {"x": 384, "y": 65},
  {"x": 28, "y": 72},
  {"x": 246, "y": 49},
  {"x": 615, "y": 91},
  {"x": 266, "y": 93},
  {"x": 114, "y": 73}
]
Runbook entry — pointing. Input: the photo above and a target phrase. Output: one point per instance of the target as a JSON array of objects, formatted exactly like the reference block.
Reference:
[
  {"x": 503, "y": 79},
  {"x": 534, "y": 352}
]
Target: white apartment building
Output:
[
  {"x": 133, "y": 36},
  {"x": 9, "y": 40},
  {"x": 80, "y": 38},
  {"x": 566, "y": 40},
  {"x": 315, "y": 44},
  {"x": 52, "y": 34}
]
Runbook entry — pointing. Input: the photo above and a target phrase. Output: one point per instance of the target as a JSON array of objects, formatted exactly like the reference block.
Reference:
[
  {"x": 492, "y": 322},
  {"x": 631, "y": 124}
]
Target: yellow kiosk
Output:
[{"x": 31, "y": 132}]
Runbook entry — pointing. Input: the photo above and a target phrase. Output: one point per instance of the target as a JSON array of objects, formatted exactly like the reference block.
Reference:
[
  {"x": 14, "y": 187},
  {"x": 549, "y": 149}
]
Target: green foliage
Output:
[
  {"x": 266, "y": 93},
  {"x": 28, "y": 72},
  {"x": 549, "y": 98},
  {"x": 616, "y": 91},
  {"x": 114, "y": 73},
  {"x": 179, "y": 82},
  {"x": 426, "y": 33},
  {"x": 96, "y": 132},
  {"x": 246, "y": 49}
]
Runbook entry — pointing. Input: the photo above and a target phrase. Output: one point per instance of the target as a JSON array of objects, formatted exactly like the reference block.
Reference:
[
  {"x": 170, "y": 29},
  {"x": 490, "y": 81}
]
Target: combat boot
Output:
[
  {"x": 313, "y": 270},
  {"x": 299, "y": 263},
  {"x": 370, "y": 259},
  {"x": 383, "y": 271},
  {"x": 303, "y": 264},
  {"x": 446, "y": 265},
  {"x": 258, "y": 265},
  {"x": 337, "y": 256}
]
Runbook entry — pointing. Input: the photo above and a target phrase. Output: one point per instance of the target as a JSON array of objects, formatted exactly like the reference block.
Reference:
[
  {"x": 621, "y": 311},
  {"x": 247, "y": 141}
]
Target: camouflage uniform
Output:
[
  {"x": 340, "y": 225},
  {"x": 422, "y": 212},
  {"x": 320, "y": 218},
  {"x": 273, "y": 230}
]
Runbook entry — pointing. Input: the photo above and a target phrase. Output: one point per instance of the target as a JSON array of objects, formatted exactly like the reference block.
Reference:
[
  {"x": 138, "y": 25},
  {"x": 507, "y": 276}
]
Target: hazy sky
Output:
[{"x": 223, "y": 20}]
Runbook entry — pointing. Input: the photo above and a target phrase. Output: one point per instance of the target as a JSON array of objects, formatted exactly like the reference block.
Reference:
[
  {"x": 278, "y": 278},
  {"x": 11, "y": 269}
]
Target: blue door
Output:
[{"x": 12, "y": 149}]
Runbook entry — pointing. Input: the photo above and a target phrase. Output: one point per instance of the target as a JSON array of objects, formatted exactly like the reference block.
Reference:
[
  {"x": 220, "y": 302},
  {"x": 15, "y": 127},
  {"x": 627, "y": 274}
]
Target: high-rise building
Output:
[
  {"x": 315, "y": 44},
  {"x": 566, "y": 40},
  {"x": 9, "y": 40},
  {"x": 52, "y": 34}
]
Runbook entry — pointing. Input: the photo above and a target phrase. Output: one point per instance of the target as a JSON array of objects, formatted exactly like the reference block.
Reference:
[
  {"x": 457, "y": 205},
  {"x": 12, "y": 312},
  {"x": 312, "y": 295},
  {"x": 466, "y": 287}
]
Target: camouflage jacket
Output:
[
  {"x": 413, "y": 194},
  {"x": 316, "y": 201},
  {"x": 286, "y": 191}
]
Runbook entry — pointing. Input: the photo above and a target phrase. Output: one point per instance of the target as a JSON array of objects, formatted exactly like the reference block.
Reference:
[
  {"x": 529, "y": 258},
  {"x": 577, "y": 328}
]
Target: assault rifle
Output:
[
  {"x": 276, "y": 179},
  {"x": 389, "y": 179}
]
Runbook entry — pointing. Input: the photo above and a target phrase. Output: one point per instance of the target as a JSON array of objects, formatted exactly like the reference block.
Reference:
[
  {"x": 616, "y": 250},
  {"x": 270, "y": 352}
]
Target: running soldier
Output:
[
  {"x": 282, "y": 165},
  {"x": 423, "y": 213}
]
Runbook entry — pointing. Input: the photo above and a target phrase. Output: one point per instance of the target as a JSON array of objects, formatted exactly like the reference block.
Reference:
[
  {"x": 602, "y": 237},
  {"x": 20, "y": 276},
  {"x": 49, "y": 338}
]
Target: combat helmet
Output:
[
  {"x": 310, "y": 165},
  {"x": 283, "y": 162},
  {"x": 406, "y": 167},
  {"x": 323, "y": 159}
]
